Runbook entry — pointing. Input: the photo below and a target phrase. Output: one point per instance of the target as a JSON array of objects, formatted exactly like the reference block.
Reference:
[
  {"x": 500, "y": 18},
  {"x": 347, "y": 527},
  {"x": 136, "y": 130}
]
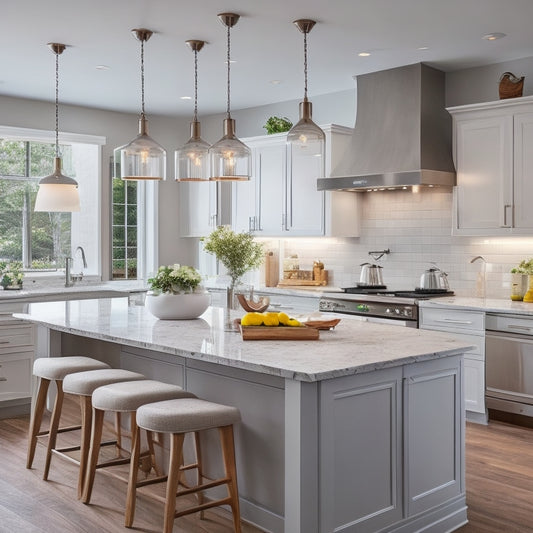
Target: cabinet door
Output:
[
  {"x": 198, "y": 208},
  {"x": 270, "y": 176},
  {"x": 243, "y": 206},
  {"x": 484, "y": 164},
  {"x": 523, "y": 172},
  {"x": 304, "y": 208}
]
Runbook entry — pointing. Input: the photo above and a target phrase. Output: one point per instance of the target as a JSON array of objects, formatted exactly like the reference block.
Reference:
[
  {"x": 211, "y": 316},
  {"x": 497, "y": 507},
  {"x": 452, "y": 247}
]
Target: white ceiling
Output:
[{"x": 265, "y": 45}]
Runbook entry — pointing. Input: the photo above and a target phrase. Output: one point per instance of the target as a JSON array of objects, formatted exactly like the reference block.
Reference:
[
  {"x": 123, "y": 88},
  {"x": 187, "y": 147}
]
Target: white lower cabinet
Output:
[
  {"x": 467, "y": 326},
  {"x": 17, "y": 348}
]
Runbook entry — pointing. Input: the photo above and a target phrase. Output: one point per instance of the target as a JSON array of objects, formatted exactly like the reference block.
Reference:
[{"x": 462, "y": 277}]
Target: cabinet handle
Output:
[
  {"x": 505, "y": 223},
  {"x": 4, "y": 342},
  {"x": 213, "y": 220},
  {"x": 3, "y": 379},
  {"x": 452, "y": 321},
  {"x": 521, "y": 328}
]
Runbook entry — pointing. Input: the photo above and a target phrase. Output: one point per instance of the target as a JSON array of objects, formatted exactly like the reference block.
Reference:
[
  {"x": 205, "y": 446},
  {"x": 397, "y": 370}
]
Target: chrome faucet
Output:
[
  {"x": 481, "y": 281},
  {"x": 70, "y": 278}
]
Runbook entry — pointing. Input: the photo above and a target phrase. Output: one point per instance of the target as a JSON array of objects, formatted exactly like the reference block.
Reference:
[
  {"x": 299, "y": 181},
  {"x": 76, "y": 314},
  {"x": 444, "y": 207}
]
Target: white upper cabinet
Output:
[
  {"x": 494, "y": 162},
  {"x": 198, "y": 204},
  {"x": 277, "y": 203}
]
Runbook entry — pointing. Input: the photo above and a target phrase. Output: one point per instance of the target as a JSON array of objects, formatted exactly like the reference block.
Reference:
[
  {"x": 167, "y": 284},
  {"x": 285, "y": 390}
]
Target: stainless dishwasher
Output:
[{"x": 509, "y": 363}]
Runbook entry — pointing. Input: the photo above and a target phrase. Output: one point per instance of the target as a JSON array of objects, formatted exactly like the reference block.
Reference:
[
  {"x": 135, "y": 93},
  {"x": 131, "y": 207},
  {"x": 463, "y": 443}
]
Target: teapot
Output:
[
  {"x": 434, "y": 279},
  {"x": 371, "y": 275}
]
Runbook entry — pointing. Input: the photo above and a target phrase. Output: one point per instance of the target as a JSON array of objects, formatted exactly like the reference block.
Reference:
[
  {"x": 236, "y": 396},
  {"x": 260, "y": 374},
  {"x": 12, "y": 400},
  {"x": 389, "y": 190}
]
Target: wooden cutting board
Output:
[{"x": 279, "y": 333}]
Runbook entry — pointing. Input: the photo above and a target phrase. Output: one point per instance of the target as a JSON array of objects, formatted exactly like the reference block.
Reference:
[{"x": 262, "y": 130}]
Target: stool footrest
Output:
[
  {"x": 203, "y": 486},
  {"x": 202, "y": 507}
]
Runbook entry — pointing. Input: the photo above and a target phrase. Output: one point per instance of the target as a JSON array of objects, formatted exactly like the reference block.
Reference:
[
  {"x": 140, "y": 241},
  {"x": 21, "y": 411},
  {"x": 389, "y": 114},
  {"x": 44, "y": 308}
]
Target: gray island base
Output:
[{"x": 360, "y": 431}]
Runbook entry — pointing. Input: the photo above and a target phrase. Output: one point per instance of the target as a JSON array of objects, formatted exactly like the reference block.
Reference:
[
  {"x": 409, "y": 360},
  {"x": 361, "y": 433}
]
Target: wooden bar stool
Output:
[
  {"x": 55, "y": 369},
  {"x": 179, "y": 417},
  {"x": 123, "y": 398},
  {"x": 82, "y": 384}
]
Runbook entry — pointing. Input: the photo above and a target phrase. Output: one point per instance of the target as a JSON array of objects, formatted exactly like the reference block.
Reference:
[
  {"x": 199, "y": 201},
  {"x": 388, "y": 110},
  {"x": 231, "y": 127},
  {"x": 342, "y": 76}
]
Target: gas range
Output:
[{"x": 379, "y": 304}]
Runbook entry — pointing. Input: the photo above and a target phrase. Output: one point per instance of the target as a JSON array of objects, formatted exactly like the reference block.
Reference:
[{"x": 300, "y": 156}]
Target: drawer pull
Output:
[
  {"x": 453, "y": 321},
  {"x": 3, "y": 379},
  {"x": 521, "y": 328},
  {"x": 4, "y": 342}
]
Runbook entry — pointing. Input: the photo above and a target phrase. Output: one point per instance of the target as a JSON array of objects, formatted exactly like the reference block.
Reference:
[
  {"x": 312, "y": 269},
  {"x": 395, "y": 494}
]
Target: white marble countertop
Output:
[
  {"x": 354, "y": 346},
  {"x": 83, "y": 289},
  {"x": 488, "y": 305}
]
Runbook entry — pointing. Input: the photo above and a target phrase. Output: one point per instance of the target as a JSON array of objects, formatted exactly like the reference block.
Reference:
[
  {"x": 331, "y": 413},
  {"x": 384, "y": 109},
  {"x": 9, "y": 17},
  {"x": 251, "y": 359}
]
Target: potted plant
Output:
[
  {"x": 238, "y": 252},
  {"x": 176, "y": 293},
  {"x": 277, "y": 125},
  {"x": 517, "y": 291},
  {"x": 11, "y": 275}
]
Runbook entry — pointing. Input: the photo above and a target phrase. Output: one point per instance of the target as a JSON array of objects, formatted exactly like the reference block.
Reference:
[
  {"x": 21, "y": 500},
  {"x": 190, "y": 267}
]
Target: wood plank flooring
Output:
[{"x": 499, "y": 477}]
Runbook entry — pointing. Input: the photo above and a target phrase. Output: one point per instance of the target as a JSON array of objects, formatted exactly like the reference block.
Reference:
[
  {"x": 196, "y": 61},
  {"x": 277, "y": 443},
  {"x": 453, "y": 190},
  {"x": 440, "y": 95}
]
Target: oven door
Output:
[{"x": 509, "y": 372}]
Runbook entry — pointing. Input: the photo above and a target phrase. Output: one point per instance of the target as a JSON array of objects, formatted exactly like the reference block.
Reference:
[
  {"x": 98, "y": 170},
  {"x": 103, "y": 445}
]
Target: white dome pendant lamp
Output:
[
  {"x": 57, "y": 192},
  {"x": 143, "y": 158},
  {"x": 305, "y": 140},
  {"x": 231, "y": 159},
  {"x": 191, "y": 161}
]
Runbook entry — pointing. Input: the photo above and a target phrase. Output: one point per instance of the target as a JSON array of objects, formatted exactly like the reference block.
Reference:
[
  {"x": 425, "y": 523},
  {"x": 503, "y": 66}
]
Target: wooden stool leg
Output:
[
  {"x": 54, "y": 425},
  {"x": 86, "y": 417},
  {"x": 176, "y": 453},
  {"x": 228, "y": 452},
  {"x": 118, "y": 431},
  {"x": 151, "y": 449},
  {"x": 36, "y": 419},
  {"x": 199, "y": 471},
  {"x": 134, "y": 472},
  {"x": 96, "y": 439}
]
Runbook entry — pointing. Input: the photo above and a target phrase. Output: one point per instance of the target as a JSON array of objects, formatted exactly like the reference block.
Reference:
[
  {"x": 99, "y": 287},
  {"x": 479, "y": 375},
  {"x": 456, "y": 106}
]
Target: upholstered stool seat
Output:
[
  {"x": 123, "y": 398},
  {"x": 55, "y": 369},
  {"x": 178, "y": 417},
  {"x": 83, "y": 384}
]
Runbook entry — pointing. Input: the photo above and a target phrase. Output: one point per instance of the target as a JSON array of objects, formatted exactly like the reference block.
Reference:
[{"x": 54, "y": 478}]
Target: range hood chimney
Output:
[{"x": 402, "y": 133}]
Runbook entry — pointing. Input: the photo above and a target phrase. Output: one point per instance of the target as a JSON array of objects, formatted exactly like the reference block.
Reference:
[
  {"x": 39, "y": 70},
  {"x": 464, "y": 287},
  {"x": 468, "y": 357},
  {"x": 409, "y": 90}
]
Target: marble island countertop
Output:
[{"x": 354, "y": 346}]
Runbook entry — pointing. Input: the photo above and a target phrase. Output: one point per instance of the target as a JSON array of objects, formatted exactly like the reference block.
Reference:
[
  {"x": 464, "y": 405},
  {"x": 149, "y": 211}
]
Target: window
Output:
[{"x": 40, "y": 240}]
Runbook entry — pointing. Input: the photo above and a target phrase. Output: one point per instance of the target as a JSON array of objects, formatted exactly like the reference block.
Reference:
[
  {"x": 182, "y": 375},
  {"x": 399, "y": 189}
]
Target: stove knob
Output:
[
  {"x": 388, "y": 311},
  {"x": 398, "y": 311}
]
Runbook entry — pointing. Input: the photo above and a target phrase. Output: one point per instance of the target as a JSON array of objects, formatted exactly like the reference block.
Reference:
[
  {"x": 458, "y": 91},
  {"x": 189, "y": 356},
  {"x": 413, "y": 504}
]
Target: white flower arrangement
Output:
[
  {"x": 175, "y": 279},
  {"x": 11, "y": 274}
]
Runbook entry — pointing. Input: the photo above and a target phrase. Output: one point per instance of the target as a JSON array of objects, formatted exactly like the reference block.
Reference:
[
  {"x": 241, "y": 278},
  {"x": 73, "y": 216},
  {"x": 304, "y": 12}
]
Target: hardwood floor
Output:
[{"x": 499, "y": 477}]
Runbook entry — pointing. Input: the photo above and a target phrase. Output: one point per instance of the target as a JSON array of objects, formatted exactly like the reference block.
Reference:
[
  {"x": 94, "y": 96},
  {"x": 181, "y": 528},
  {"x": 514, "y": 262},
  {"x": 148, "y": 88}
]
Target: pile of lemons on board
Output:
[{"x": 269, "y": 319}]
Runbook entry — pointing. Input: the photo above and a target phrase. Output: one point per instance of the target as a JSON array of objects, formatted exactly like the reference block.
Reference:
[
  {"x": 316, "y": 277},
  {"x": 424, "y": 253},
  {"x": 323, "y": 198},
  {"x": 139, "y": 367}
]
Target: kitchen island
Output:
[{"x": 360, "y": 431}]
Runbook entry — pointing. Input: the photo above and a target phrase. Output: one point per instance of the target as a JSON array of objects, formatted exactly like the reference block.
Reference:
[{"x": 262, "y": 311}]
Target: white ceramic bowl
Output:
[{"x": 177, "y": 306}]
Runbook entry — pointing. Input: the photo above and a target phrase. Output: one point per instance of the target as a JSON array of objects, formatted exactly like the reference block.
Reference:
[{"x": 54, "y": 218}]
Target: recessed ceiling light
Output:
[
  {"x": 185, "y": 97},
  {"x": 363, "y": 54},
  {"x": 423, "y": 48},
  {"x": 102, "y": 67},
  {"x": 275, "y": 82},
  {"x": 493, "y": 36}
]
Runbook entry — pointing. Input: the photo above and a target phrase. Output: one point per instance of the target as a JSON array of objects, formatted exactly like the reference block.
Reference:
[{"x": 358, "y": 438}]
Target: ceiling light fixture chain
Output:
[
  {"x": 142, "y": 76},
  {"x": 57, "y": 104},
  {"x": 305, "y": 65},
  {"x": 195, "y": 116},
  {"x": 228, "y": 60}
]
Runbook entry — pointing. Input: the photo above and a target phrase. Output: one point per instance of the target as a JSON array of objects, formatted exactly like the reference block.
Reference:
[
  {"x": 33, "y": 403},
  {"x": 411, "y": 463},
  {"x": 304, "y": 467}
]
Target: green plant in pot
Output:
[
  {"x": 526, "y": 267},
  {"x": 238, "y": 252},
  {"x": 176, "y": 293},
  {"x": 277, "y": 125},
  {"x": 11, "y": 275}
]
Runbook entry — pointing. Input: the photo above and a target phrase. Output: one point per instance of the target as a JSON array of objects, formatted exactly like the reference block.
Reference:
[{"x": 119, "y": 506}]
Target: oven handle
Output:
[{"x": 520, "y": 328}]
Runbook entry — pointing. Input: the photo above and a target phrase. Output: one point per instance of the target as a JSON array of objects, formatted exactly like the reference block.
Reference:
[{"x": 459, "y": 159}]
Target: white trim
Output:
[{"x": 29, "y": 134}]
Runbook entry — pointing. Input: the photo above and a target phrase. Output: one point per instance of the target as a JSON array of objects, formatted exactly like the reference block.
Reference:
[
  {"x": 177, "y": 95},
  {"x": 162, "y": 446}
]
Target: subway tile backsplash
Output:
[{"x": 416, "y": 227}]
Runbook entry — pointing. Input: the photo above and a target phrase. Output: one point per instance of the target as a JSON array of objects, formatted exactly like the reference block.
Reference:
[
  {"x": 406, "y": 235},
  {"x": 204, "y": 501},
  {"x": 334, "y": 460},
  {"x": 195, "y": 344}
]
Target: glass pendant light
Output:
[
  {"x": 231, "y": 159},
  {"x": 143, "y": 158},
  {"x": 305, "y": 140},
  {"x": 57, "y": 192},
  {"x": 191, "y": 162}
]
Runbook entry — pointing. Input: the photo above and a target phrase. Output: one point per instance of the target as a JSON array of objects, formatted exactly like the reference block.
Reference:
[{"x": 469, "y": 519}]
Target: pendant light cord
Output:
[
  {"x": 305, "y": 66},
  {"x": 57, "y": 104},
  {"x": 142, "y": 77},
  {"x": 195, "y": 116},
  {"x": 228, "y": 61}
]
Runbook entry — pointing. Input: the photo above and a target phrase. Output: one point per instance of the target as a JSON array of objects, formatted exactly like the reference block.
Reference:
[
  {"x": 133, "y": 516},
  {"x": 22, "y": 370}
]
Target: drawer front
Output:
[
  {"x": 15, "y": 335},
  {"x": 453, "y": 320},
  {"x": 510, "y": 323},
  {"x": 15, "y": 375}
]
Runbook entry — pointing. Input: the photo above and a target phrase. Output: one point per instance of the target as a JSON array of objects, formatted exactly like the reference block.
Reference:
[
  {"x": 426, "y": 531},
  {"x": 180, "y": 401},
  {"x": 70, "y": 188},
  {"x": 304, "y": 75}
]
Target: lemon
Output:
[
  {"x": 271, "y": 319},
  {"x": 283, "y": 319},
  {"x": 252, "y": 319},
  {"x": 293, "y": 322}
]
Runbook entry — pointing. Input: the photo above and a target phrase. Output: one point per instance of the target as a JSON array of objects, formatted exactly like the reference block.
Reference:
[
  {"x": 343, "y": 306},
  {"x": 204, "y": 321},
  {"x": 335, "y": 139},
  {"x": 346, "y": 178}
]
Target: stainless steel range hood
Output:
[{"x": 402, "y": 133}]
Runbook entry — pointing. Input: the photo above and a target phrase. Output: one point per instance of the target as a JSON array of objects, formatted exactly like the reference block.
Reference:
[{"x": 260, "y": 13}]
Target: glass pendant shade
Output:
[
  {"x": 57, "y": 193},
  {"x": 231, "y": 159},
  {"x": 306, "y": 144},
  {"x": 143, "y": 158},
  {"x": 192, "y": 159}
]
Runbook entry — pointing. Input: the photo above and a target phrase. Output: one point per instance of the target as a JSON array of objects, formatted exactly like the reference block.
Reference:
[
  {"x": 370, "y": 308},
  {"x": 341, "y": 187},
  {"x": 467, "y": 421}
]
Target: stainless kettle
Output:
[
  {"x": 434, "y": 279},
  {"x": 371, "y": 275}
]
